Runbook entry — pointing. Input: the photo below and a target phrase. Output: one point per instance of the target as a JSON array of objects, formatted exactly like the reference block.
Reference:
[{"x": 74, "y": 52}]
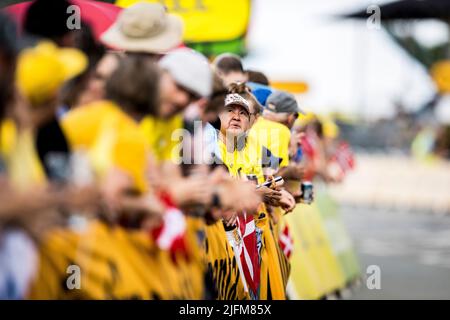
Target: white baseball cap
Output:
[{"x": 190, "y": 69}]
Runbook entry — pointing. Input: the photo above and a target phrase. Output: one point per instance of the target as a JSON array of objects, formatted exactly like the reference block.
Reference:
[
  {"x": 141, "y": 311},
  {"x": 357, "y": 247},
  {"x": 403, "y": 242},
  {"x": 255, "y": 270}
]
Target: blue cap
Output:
[{"x": 261, "y": 92}]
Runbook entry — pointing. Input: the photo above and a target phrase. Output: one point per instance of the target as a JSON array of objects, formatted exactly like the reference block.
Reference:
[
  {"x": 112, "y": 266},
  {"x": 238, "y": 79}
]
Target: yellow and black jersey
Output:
[
  {"x": 113, "y": 263},
  {"x": 223, "y": 265}
]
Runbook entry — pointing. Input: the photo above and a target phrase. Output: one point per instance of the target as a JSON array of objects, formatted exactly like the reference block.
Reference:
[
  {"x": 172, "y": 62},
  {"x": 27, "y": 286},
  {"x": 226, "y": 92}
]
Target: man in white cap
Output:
[
  {"x": 145, "y": 28},
  {"x": 186, "y": 78}
]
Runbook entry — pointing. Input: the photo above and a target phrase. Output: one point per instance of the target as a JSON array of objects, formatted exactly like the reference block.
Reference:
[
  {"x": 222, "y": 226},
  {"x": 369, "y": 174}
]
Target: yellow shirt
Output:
[
  {"x": 111, "y": 138},
  {"x": 246, "y": 161},
  {"x": 273, "y": 136},
  {"x": 23, "y": 166},
  {"x": 163, "y": 137}
]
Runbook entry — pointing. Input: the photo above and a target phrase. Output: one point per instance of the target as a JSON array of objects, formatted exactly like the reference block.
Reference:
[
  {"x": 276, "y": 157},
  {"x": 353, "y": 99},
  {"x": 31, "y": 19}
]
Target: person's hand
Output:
[
  {"x": 270, "y": 196},
  {"x": 79, "y": 198},
  {"x": 295, "y": 142},
  {"x": 38, "y": 223},
  {"x": 115, "y": 184},
  {"x": 229, "y": 218},
  {"x": 151, "y": 209},
  {"x": 297, "y": 171},
  {"x": 191, "y": 190},
  {"x": 239, "y": 195},
  {"x": 287, "y": 201},
  {"x": 20, "y": 204},
  {"x": 154, "y": 176}
]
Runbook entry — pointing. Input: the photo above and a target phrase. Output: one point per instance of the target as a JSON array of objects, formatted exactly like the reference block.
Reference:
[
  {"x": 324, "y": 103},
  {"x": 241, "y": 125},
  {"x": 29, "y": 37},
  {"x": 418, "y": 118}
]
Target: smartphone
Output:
[{"x": 307, "y": 189}]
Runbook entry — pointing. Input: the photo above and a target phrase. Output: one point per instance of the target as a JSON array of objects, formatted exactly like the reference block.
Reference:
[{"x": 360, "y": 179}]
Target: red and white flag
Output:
[
  {"x": 244, "y": 243},
  {"x": 345, "y": 157},
  {"x": 286, "y": 242},
  {"x": 170, "y": 235}
]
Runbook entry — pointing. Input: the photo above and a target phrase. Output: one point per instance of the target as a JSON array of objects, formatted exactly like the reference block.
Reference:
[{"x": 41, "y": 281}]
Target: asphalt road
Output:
[{"x": 412, "y": 251}]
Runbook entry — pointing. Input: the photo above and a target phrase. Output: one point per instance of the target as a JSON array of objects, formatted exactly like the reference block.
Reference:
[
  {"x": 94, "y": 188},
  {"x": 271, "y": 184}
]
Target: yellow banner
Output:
[{"x": 207, "y": 20}]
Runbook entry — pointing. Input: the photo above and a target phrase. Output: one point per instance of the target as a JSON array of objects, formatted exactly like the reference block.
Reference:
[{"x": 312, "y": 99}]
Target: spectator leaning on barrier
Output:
[
  {"x": 282, "y": 109},
  {"x": 229, "y": 68},
  {"x": 243, "y": 160}
]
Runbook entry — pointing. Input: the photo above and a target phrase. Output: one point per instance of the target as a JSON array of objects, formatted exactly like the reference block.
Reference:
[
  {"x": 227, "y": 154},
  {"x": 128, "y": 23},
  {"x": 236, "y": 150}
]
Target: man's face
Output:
[
  {"x": 174, "y": 99},
  {"x": 291, "y": 120},
  {"x": 235, "y": 120}
]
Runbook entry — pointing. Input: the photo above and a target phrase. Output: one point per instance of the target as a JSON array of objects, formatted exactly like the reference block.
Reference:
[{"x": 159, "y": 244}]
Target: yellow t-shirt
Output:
[
  {"x": 111, "y": 138},
  {"x": 273, "y": 136},
  {"x": 163, "y": 137},
  {"x": 246, "y": 161},
  {"x": 20, "y": 157}
]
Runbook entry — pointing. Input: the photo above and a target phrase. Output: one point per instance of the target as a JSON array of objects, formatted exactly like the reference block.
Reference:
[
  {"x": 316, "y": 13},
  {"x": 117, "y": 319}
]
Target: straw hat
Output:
[{"x": 144, "y": 27}]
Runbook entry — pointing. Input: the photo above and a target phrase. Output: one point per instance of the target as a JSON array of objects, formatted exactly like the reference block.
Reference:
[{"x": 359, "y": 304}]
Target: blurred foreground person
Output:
[
  {"x": 114, "y": 246},
  {"x": 35, "y": 199},
  {"x": 273, "y": 129},
  {"x": 17, "y": 252}
]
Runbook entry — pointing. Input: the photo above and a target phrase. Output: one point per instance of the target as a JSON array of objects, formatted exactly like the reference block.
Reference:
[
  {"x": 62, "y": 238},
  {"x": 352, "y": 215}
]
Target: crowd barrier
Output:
[{"x": 323, "y": 261}]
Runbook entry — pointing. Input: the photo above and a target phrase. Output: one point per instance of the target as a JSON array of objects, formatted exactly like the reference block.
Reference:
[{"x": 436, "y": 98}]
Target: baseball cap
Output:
[
  {"x": 237, "y": 99},
  {"x": 282, "y": 102},
  {"x": 43, "y": 69},
  {"x": 190, "y": 69}
]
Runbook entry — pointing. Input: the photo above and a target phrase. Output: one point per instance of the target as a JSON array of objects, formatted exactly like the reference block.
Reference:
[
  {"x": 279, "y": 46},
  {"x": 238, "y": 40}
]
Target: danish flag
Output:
[
  {"x": 286, "y": 242},
  {"x": 344, "y": 156},
  {"x": 170, "y": 235},
  {"x": 244, "y": 243}
]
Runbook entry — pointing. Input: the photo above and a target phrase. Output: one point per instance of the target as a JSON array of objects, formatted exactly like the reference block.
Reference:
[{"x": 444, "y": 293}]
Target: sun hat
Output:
[{"x": 144, "y": 27}]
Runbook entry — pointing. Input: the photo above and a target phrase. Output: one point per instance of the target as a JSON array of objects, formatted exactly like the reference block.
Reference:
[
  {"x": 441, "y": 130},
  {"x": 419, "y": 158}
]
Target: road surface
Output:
[{"x": 411, "y": 249}]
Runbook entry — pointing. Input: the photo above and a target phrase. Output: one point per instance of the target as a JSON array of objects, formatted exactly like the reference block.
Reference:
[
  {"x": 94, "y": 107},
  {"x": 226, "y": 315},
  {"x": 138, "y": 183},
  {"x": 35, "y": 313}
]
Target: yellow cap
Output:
[
  {"x": 42, "y": 70},
  {"x": 440, "y": 72}
]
